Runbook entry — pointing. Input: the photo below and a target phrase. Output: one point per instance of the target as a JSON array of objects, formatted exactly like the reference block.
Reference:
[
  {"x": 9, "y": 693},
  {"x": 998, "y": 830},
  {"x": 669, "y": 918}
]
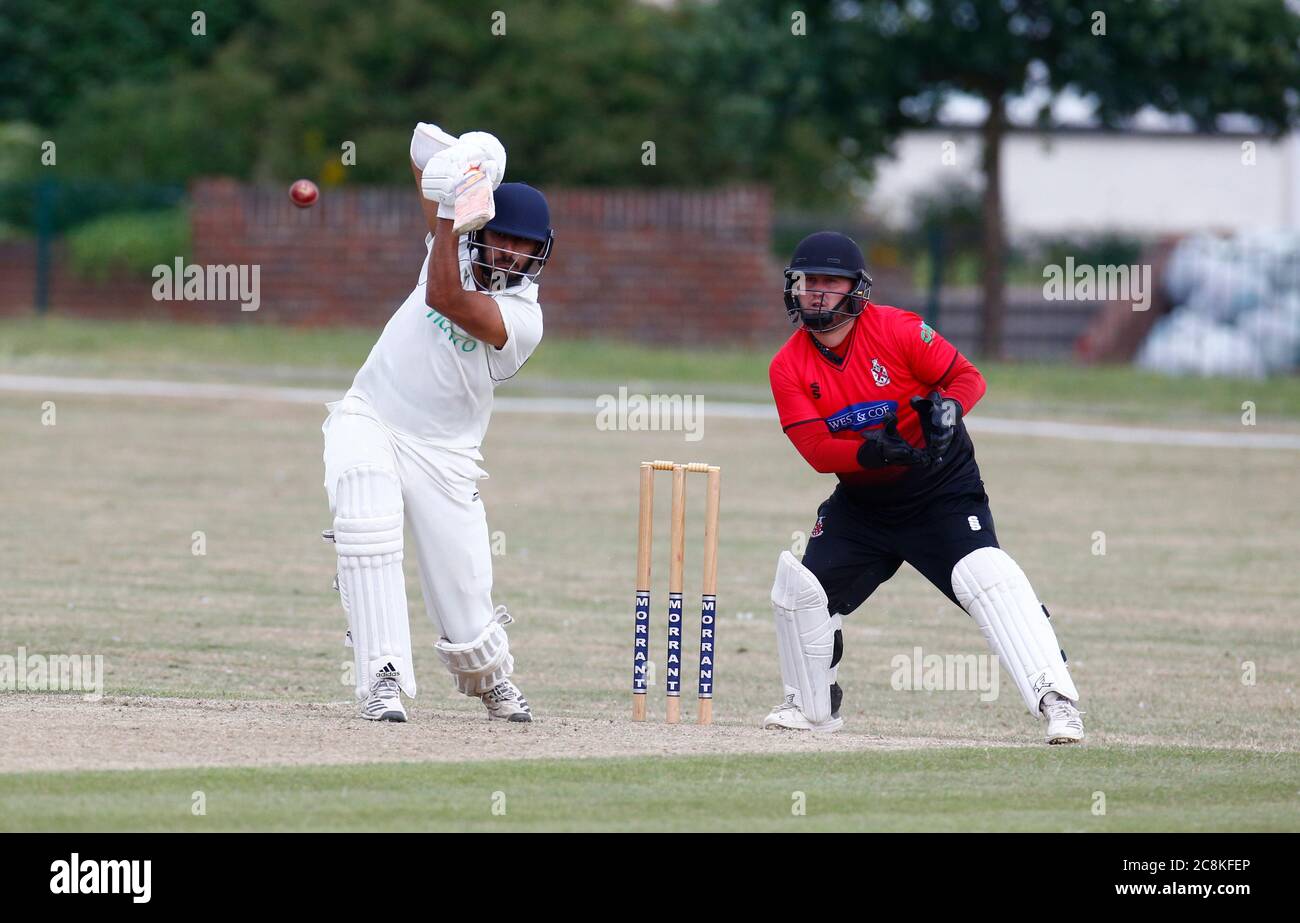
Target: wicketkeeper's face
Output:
[{"x": 819, "y": 292}]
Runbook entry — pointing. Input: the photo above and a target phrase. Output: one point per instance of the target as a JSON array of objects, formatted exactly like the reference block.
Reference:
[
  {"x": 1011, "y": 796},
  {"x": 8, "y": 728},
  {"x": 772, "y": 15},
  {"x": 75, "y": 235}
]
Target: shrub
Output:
[{"x": 133, "y": 242}]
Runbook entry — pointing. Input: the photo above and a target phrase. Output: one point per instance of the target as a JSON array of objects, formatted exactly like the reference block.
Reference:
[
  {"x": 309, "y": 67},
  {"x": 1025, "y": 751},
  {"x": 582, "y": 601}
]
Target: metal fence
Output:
[{"x": 44, "y": 209}]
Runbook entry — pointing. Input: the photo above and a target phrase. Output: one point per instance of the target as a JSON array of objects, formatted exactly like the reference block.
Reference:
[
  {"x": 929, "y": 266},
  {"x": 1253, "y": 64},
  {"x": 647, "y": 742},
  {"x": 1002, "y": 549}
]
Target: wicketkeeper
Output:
[
  {"x": 402, "y": 447},
  {"x": 875, "y": 396}
]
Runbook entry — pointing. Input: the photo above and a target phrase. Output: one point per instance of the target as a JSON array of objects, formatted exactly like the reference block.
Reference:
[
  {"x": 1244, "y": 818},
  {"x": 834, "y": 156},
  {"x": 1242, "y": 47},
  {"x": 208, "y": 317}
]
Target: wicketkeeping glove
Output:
[
  {"x": 884, "y": 446},
  {"x": 939, "y": 418}
]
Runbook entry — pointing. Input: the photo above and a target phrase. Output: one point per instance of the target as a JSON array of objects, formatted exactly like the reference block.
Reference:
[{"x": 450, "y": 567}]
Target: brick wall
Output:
[
  {"x": 350, "y": 259},
  {"x": 653, "y": 266},
  {"x": 117, "y": 296},
  {"x": 665, "y": 266},
  {"x": 661, "y": 267}
]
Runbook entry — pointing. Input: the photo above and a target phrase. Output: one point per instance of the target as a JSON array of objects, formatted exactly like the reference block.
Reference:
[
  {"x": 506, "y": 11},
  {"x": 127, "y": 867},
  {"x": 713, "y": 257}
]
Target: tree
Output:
[
  {"x": 573, "y": 90},
  {"x": 1201, "y": 58},
  {"x": 803, "y": 96},
  {"x": 53, "y": 53},
  {"x": 782, "y": 93},
  {"x": 867, "y": 70}
]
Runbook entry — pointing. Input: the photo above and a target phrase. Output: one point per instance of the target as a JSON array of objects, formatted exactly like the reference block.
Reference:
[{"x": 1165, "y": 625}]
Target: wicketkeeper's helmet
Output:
[
  {"x": 826, "y": 253},
  {"x": 521, "y": 211}
]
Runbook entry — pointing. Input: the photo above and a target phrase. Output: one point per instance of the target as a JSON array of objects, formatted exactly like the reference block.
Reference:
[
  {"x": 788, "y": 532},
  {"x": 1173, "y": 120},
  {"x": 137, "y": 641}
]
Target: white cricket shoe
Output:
[
  {"x": 1064, "y": 726},
  {"x": 385, "y": 702},
  {"x": 506, "y": 702},
  {"x": 788, "y": 717}
]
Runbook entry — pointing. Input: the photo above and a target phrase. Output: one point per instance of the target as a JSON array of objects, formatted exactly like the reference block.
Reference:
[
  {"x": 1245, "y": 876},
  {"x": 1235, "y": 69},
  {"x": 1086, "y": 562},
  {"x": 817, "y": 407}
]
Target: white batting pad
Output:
[
  {"x": 995, "y": 591},
  {"x": 479, "y": 665},
  {"x": 368, "y": 539},
  {"x": 805, "y": 636}
]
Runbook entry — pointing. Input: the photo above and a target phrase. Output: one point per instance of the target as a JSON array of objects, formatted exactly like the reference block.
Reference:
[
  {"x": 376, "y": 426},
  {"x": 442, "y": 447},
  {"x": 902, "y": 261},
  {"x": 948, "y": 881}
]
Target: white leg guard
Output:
[
  {"x": 805, "y": 637},
  {"x": 481, "y": 664},
  {"x": 328, "y": 535},
  {"x": 995, "y": 591},
  {"x": 368, "y": 539},
  {"x": 790, "y": 677}
]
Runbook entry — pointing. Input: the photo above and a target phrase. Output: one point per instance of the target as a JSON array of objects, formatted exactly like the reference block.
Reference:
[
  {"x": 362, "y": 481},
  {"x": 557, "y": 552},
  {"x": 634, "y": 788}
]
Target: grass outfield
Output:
[
  {"x": 1182, "y": 635},
  {"x": 1058, "y": 789},
  {"x": 254, "y": 351}
]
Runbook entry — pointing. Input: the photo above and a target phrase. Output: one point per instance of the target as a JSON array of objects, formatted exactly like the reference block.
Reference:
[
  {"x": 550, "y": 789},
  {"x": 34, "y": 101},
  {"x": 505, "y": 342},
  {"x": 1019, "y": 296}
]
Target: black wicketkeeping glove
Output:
[
  {"x": 884, "y": 446},
  {"x": 939, "y": 417}
]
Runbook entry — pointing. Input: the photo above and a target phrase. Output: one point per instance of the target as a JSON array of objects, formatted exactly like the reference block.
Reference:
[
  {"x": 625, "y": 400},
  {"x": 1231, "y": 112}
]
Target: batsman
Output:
[
  {"x": 402, "y": 448},
  {"x": 873, "y": 395}
]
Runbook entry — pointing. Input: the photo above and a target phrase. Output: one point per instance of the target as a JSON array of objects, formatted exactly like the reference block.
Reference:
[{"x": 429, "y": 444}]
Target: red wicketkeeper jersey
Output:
[{"x": 826, "y": 400}]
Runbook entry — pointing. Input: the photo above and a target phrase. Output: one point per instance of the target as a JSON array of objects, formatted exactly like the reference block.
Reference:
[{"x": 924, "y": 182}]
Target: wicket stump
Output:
[{"x": 676, "y": 561}]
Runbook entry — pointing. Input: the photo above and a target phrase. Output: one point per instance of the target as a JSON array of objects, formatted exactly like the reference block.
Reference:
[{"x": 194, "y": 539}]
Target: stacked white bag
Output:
[{"x": 1237, "y": 307}]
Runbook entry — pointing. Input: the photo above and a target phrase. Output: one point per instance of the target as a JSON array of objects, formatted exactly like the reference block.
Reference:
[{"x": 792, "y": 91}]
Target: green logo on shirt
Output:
[
  {"x": 465, "y": 343},
  {"x": 927, "y": 332}
]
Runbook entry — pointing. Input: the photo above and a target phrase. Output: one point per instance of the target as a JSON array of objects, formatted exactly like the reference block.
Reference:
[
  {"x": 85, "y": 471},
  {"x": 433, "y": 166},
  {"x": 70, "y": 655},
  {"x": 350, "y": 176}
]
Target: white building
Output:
[{"x": 1080, "y": 180}]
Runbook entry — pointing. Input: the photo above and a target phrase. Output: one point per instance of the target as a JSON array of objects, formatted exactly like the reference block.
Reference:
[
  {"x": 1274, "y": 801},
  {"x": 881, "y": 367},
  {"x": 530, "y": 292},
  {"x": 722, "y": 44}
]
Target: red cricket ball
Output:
[{"x": 304, "y": 193}]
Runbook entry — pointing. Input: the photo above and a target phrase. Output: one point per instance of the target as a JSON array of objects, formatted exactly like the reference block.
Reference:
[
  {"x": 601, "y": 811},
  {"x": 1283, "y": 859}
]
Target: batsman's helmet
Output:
[
  {"x": 521, "y": 211},
  {"x": 826, "y": 253}
]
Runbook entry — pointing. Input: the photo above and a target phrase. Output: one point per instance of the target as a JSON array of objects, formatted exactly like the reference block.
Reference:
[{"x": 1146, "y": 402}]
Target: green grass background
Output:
[
  {"x": 262, "y": 352},
  {"x": 1199, "y": 579},
  {"x": 1058, "y": 789}
]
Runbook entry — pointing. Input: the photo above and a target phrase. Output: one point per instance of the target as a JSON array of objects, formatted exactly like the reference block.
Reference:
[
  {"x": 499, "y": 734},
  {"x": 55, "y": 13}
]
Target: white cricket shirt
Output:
[{"x": 429, "y": 379}]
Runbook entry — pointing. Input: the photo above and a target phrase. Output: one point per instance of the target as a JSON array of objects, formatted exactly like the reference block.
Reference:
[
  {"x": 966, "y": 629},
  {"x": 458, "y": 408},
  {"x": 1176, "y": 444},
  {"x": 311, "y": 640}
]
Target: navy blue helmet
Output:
[
  {"x": 521, "y": 211},
  {"x": 826, "y": 253}
]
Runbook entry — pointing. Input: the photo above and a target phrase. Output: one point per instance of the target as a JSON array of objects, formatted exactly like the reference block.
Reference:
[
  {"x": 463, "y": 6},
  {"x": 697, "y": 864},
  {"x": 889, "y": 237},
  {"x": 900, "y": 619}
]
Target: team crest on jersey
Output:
[
  {"x": 927, "y": 332},
  {"x": 879, "y": 373},
  {"x": 816, "y": 389},
  {"x": 817, "y": 528}
]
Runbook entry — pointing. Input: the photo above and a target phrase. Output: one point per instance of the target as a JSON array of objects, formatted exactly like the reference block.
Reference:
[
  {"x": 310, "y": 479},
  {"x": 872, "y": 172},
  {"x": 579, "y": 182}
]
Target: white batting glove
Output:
[
  {"x": 427, "y": 140},
  {"x": 493, "y": 154},
  {"x": 441, "y": 176}
]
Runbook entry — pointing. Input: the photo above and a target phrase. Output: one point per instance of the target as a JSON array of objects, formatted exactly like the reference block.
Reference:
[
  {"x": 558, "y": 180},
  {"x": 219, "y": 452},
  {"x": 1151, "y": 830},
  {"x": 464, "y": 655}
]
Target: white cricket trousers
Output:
[{"x": 443, "y": 515}]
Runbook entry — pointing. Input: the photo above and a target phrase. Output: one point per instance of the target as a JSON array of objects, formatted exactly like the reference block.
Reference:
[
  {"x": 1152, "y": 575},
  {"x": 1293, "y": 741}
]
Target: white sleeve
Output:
[
  {"x": 523, "y": 321},
  {"x": 428, "y": 255}
]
